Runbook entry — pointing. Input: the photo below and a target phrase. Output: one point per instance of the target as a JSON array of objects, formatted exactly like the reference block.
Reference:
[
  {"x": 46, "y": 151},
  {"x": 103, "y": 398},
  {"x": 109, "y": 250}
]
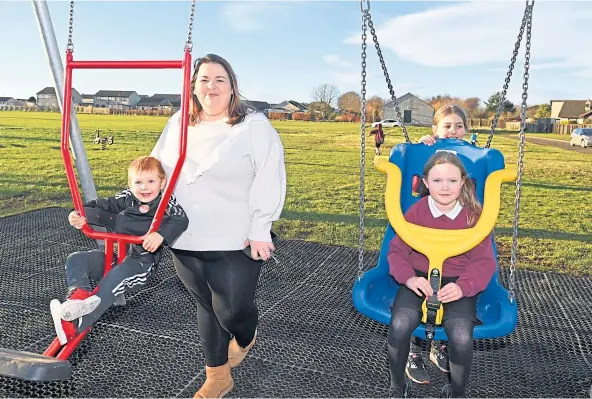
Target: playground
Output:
[{"x": 324, "y": 299}]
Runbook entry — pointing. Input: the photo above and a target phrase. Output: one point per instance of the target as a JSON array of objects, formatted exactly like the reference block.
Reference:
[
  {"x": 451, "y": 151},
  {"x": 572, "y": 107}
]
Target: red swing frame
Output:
[{"x": 110, "y": 238}]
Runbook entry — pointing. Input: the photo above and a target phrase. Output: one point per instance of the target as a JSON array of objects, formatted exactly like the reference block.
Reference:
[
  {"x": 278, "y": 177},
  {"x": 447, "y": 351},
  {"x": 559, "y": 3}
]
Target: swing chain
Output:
[
  {"x": 70, "y": 45},
  {"x": 362, "y": 147},
  {"x": 189, "y": 43},
  {"x": 511, "y": 286},
  {"x": 386, "y": 74},
  {"x": 502, "y": 98}
]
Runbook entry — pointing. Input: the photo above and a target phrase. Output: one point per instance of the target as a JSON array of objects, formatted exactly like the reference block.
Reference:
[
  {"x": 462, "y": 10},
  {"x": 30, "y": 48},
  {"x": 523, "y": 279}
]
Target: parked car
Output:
[
  {"x": 582, "y": 137},
  {"x": 387, "y": 123}
]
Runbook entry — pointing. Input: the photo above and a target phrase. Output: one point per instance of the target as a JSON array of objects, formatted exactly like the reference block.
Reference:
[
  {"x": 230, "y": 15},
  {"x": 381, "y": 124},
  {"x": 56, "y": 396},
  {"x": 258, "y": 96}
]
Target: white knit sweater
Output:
[{"x": 233, "y": 181}]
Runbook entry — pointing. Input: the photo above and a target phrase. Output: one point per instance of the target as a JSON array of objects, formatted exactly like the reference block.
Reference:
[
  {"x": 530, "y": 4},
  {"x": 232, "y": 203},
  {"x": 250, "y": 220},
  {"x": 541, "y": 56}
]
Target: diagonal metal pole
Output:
[{"x": 57, "y": 70}]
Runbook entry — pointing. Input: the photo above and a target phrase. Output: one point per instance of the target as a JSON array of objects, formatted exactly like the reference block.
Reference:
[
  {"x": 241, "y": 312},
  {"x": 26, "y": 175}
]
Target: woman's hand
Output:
[
  {"x": 420, "y": 286},
  {"x": 260, "y": 249},
  {"x": 428, "y": 140},
  {"x": 76, "y": 220},
  {"x": 449, "y": 293}
]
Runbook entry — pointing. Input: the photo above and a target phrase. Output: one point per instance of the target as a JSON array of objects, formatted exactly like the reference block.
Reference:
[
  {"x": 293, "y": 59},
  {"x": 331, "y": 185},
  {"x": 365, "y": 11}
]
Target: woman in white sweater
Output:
[{"x": 232, "y": 186}]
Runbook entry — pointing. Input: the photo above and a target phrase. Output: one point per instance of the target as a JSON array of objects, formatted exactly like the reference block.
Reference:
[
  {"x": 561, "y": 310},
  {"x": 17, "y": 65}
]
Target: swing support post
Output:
[{"x": 57, "y": 71}]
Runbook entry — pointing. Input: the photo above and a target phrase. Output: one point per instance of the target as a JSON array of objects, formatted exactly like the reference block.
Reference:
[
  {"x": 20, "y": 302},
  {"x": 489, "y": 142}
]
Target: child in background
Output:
[{"x": 378, "y": 138}]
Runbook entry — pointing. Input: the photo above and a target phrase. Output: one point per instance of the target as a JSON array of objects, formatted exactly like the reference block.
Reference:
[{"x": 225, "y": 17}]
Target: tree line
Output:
[{"x": 326, "y": 96}]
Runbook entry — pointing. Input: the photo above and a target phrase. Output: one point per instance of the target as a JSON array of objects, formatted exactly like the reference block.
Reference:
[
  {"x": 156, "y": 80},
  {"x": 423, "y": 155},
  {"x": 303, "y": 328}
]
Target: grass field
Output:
[
  {"x": 562, "y": 137},
  {"x": 322, "y": 204}
]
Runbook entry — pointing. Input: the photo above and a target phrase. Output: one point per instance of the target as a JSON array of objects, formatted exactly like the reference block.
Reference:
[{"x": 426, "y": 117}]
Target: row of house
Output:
[
  {"x": 122, "y": 99},
  {"x": 15, "y": 102},
  {"x": 417, "y": 112},
  {"x": 414, "y": 110},
  {"x": 115, "y": 99}
]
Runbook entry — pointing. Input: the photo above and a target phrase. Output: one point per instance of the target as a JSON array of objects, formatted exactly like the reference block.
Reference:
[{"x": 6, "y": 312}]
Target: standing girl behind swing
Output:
[{"x": 448, "y": 203}]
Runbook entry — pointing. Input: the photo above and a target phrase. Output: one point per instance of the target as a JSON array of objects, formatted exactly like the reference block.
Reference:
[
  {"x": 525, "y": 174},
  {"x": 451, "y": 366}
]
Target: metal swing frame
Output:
[
  {"x": 53, "y": 364},
  {"x": 526, "y": 24}
]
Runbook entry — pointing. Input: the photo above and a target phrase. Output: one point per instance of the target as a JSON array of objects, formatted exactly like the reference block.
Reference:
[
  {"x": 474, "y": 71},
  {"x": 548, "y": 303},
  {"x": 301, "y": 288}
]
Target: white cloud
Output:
[
  {"x": 246, "y": 17},
  {"x": 475, "y": 33},
  {"x": 333, "y": 59}
]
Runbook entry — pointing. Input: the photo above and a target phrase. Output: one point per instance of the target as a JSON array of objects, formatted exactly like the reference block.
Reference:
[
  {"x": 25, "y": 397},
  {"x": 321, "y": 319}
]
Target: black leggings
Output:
[
  {"x": 460, "y": 336},
  {"x": 223, "y": 283}
]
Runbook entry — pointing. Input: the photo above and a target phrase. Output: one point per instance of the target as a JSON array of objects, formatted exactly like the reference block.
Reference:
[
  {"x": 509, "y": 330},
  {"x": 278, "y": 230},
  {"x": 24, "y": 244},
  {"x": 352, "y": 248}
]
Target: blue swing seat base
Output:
[
  {"x": 374, "y": 293},
  {"x": 373, "y": 297}
]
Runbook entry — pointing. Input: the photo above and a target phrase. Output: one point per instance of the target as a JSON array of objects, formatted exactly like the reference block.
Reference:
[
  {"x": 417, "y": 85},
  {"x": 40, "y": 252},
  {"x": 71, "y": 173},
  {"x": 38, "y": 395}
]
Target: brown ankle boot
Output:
[
  {"x": 236, "y": 354},
  {"x": 218, "y": 382}
]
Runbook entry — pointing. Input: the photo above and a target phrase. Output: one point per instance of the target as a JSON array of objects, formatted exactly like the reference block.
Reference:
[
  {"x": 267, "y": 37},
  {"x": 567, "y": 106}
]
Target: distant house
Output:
[
  {"x": 48, "y": 98},
  {"x": 587, "y": 117},
  {"x": 116, "y": 99},
  {"x": 259, "y": 106},
  {"x": 571, "y": 111},
  {"x": 5, "y": 101},
  {"x": 415, "y": 111},
  {"x": 160, "y": 101},
  {"x": 168, "y": 96},
  {"x": 292, "y": 106},
  {"x": 88, "y": 99},
  {"x": 18, "y": 102},
  {"x": 276, "y": 110}
]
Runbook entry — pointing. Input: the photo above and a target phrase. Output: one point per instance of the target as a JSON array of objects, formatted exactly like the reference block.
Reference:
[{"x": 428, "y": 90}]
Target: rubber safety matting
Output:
[{"x": 311, "y": 341}]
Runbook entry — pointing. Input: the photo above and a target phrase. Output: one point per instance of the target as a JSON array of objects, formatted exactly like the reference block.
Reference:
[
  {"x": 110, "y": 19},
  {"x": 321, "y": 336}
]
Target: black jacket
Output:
[{"x": 125, "y": 214}]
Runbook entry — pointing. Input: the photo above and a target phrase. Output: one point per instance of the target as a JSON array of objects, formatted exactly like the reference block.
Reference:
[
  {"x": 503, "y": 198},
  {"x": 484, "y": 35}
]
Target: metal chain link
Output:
[
  {"x": 70, "y": 45},
  {"x": 363, "y": 145},
  {"x": 512, "y": 283},
  {"x": 498, "y": 111},
  {"x": 189, "y": 43},
  {"x": 386, "y": 74}
]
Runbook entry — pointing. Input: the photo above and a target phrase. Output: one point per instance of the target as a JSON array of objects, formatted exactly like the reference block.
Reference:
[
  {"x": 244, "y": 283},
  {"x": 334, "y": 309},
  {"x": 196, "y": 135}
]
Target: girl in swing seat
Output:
[
  {"x": 450, "y": 122},
  {"x": 448, "y": 202}
]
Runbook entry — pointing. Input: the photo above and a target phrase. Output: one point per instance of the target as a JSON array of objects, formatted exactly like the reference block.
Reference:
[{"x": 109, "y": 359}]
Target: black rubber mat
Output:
[{"x": 311, "y": 341}]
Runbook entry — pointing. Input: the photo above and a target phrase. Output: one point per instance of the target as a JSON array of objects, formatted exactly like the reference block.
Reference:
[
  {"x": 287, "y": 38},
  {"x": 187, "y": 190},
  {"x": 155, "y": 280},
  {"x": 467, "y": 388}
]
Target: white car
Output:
[
  {"x": 581, "y": 137},
  {"x": 387, "y": 123}
]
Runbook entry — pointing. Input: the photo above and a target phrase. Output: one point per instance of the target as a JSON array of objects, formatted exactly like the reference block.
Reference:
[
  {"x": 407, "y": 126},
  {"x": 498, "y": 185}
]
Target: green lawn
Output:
[
  {"x": 322, "y": 204},
  {"x": 554, "y": 136}
]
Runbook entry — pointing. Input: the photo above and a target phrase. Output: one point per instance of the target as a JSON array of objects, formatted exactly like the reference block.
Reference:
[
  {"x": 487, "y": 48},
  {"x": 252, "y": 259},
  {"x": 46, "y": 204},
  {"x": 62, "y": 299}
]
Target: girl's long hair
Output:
[
  {"x": 236, "y": 108},
  {"x": 467, "y": 197}
]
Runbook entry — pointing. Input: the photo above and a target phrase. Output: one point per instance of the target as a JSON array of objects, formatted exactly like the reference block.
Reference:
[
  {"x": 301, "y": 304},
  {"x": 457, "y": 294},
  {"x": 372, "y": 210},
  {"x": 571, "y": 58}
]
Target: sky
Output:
[{"x": 282, "y": 50}]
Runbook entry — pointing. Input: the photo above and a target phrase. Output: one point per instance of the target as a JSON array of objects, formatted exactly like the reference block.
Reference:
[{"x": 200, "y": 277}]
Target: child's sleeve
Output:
[
  {"x": 482, "y": 264},
  {"x": 399, "y": 253},
  {"x": 174, "y": 221}
]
